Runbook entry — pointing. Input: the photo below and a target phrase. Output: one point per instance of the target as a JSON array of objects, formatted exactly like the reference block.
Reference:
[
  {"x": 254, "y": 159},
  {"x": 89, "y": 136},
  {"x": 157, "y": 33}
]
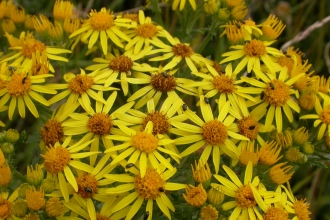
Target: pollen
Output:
[
  {"x": 87, "y": 185},
  {"x": 224, "y": 84},
  {"x": 325, "y": 116},
  {"x": 182, "y": 50},
  {"x": 292, "y": 154},
  {"x": 146, "y": 30},
  {"x": 5, "y": 175},
  {"x": 100, "y": 124},
  {"x": 195, "y": 196},
  {"x": 249, "y": 127},
  {"x": 209, "y": 213},
  {"x": 121, "y": 63},
  {"x": 31, "y": 46},
  {"x": 163, "y": 83},
  {"x": 244, "y": 197},
  {"x": 144, "y": 142},
  {"x": 248, "y": 154},
  {"x": 56, "y": 159},
  {"x": 276, "y": 213},
  {"x": 101, "y": 217},
  {"x": 269, "y": 153},
  {"x": 54, "y": 207},
  {"x": 277, "y": 93},
  {"x": 279, "y": 173},
  {"x": 214, "y": 132},
  {"x": 286, "y": 61},
  {"x": 52, "y": 132},
  {"x": 160, "y": 122},
  {"x": 5, "y": 208},
  {"x": 255, "y": 48},
  {"x": 148, "y": 186},
  {"x": 35, "y": 199},
  {"x": 81, "y": 83},
  {"x": 19, "y": 85},
  {"x": 101, "y": 21},
  {"x": 301, "y": 209}
]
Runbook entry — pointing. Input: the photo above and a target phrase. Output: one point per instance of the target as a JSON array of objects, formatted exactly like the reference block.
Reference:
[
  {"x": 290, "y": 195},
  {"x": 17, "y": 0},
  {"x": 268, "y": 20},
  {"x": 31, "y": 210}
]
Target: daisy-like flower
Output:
[
  {"x": 28, "y": 45},
  {"x": 322, "y": 117},
  {"x": 151, "y": 187},
  {"x": 81, "y": 85},
  {"x": 6, "y": 202},
  {"x": 247, "y": 195},
  {"x": 123, "y": 64},
  {"x": 223, "y": 86},
  {"x": 178, "y": 51},
  {"x": 253, "y": 51},
  {"x": 181, "y": 4},
  {"x": 62, "y": 10},
  {"x": 141, "y": 145},
  {"x": 212, "y": 133},
  {"x": 275, "y": 93},
  {"x": 19, "y": 88},
  {"x": 144, "y": 33},
  {"x": 96, "y": 124},
  {"x": 161, "y": 119},
  {"x": 159, "y": 82},
  {"x": 105, "y": 213},
  {"x": 103, "y": 25},
  {"x": 58, "y": 158},
  {"x": 272, "y": 27},
  {"x": 299, "y": 208}
]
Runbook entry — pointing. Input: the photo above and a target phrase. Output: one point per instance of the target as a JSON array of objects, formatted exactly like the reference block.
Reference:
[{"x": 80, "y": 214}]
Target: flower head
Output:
[{"x": 195, "y": 195}]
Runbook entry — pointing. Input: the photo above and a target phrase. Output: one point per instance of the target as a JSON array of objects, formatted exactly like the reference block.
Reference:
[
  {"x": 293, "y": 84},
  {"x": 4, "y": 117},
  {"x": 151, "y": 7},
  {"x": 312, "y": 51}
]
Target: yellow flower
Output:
[
  {"x": 182, "y": 3},
  {"x": 62, "y": 10},
  {"x": 272, "y": 27},
  {"x": 322, "y": 117},
  {"x": 103, "y": 25},
  {"x": 19, "y": 88},
  {"x": 269, "y": 153},
  {"x": 161, "y": 119},
  {"x": 80, "y": 86},
  {"x": 178, "y": 51},
  {"x": 144, "y": 33},
  {"x": 239, "y": 30},
  {"x": 6, "y": 205},
  {"x": 54, "y": 207},
  {"x": 151, "y": 187},
  {"x": 160, "y": 82},
  {"x": 212, "y": 133},
  {"x": 275, "y": 93},
  {"x": 28, "y": 45},
  {"x": 247, "y": 195},
  {"x": 35, "y": 199},
  {"x": 195, "y": 196},
  {"x": 253, "y": 52},
  {"x": 209, "y": 213},
  {"x": 58, "y": 158},
  {"x": 119, "y": 64},
  {"x": 95, "y": 124},
  {"x": 142, "y": 145},
  {"x": 279, "y": 173}
]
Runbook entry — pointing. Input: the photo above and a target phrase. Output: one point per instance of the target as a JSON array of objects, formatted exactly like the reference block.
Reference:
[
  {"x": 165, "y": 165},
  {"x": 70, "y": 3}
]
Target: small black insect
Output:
[
  {"x": 284, "y": 52},
  {"x": 88, "y": 190},
  {"x": 252, "y": 127},
  {"x": 272, "y": 86},
  {"x": 129, "y": 165},
  {"x": 247, "y": 41},
  {"x": 223, "y": 71},
  {"x": 20, "y": 8},
  {"x": 184, "y": 107},
  {"x": 161, "y": 189},
  {"x": 243, "y": 22},
  {"x": 24, "y": 79},
  {"x": 164, "y": 74},
  {"x": 262, "y": 94},
  {"x": 46, "y": 128},
  {"x": 238, "y": 25},
  {"x": 11, "y": 68},
  {"x": 206, "y": 100},
  {"x": 146, "y": 215},
  {"x": 303, "y": 56}
]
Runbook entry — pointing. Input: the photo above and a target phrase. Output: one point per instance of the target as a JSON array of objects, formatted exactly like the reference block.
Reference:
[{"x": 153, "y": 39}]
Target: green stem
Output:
[
  {"x": 19, "y": 176},
  {"x": 210, "y": 34},
  {"x": 158, "y": 12}
]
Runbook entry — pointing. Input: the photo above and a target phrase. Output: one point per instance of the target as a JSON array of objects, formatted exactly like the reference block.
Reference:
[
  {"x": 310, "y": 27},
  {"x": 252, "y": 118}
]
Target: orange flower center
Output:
[
  {"x": 5, "y": 208},
  {"x": 224, "y": 84},
  {"x": 286, "y": 61},
  {"x": 249, "y": 127},
  {"x": 276, "y": 213},
  {"x": 35, "y": 199},
  {"x": 150, "y": 186},
  {"x": 101, "y": 21},
  {"x": 87, "y": 185},
  {"x": 121, "y": 63},
  {"x": 160, "y": 122},
  {"x": 52, "y": 132},
  {"x": 244, "y": 197},
  {"x": 144, "y": 142},
  {"x": 100, "y": 124},
  {"x": 19, "y": 85},
  {"x": 31, "y": 46},
  {"x": 214, "y": 132},
  {"x": 301, "y": 209},
  {"x": 325, "y": 116},
  {"x": 56, "y": 159},
  {"x": 163, "y": 82},
  {"x": 146, "y": 30},
  {"x": 182, "y": 50},
  {"x": 277, "y": 93},
  {"x": 255, "y": 48},
  {"x": 80, "y": 84}
]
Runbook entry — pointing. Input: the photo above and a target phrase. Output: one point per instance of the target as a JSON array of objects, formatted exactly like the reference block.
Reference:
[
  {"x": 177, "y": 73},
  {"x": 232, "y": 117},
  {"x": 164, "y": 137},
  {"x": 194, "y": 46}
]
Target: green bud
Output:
[
  {"x": 19, "y": 208},
  {"x": 7, "y": 148},
  {"x": 12, "y": 136},
  {"x": 223, "y": 14},
  {"x": 22, "y": 189},
  {"x": 48, "y": 185},
  {"x": 307, "y": 148},
  {"x": 2, "y": 136},
  {"x": 303, "y": 159}
]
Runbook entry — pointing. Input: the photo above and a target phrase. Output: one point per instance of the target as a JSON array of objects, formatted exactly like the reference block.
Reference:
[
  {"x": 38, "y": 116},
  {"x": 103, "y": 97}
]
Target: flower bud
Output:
[
  {"x": 12, "y": 136},
  {"x": 307, "y": 148},
  {"x": 7, "y": 148},
  {"x": 19, "y": 208}
]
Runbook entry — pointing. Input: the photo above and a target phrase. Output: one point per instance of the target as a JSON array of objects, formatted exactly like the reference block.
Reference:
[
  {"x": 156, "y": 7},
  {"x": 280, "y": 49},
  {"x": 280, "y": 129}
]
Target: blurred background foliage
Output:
[{"x": 297, "y": 15}]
